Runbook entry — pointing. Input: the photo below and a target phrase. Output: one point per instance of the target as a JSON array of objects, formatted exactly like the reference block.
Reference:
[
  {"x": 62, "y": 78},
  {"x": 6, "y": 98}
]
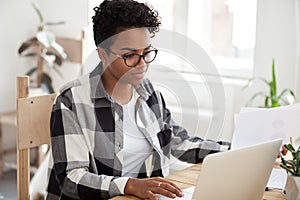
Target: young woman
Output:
[{"x": 107, "y": 124}]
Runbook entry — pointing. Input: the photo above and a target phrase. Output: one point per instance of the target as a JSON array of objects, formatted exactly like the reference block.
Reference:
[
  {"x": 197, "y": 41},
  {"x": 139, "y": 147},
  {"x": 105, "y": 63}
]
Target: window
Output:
[
  {"x": 225, "y": 29},
  {"x": 166, "y": 11}
]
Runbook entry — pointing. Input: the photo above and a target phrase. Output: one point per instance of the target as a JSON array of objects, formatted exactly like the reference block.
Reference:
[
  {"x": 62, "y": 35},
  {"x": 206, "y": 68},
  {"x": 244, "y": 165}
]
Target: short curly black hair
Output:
[{"x": 114, "y": 16}]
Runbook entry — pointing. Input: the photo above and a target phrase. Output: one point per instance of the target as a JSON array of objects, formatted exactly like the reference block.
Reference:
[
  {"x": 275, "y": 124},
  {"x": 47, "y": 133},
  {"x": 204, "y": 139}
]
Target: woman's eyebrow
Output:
[{"x": 131, "y": 49}]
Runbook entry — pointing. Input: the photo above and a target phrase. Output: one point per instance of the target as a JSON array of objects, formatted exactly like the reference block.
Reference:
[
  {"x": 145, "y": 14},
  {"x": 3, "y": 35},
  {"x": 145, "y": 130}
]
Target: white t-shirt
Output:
[{"x": 136, "y": 147}]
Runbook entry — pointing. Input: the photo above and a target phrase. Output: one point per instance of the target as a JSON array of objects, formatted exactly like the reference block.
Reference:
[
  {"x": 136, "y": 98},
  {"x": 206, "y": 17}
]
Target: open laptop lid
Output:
[{"x": 237, "y": 174}]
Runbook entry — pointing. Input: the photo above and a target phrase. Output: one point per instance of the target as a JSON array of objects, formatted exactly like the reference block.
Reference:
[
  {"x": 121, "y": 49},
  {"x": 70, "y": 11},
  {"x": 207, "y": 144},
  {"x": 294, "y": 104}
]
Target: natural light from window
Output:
[{"x": 225, "y": 29}]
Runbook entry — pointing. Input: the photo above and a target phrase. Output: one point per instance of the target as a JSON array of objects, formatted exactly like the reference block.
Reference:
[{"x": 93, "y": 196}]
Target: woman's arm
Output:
[
  {"x": 73, "y": 172},
  {"x": 184, "y": 147}
]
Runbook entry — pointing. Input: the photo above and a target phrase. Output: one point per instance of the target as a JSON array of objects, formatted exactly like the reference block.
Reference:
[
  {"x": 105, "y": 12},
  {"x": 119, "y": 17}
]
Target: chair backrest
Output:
[{"x": 33, "y": 127}]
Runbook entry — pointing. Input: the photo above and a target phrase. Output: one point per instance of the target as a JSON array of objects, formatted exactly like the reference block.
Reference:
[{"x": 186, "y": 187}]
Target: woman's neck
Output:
[{"x": 118, "y": 90}]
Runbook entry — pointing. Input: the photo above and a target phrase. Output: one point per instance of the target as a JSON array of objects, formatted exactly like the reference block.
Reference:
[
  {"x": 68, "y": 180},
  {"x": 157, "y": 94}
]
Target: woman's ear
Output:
[{"x": 102, "y": 54}]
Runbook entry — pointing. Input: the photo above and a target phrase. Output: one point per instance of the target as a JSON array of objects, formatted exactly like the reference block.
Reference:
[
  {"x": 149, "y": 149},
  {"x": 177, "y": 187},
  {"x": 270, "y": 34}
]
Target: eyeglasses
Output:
[{"x": 132, "y": 60}]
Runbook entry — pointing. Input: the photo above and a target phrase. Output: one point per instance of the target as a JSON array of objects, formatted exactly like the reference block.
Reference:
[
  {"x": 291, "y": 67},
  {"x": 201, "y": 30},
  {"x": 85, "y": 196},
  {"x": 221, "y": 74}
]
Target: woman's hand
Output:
[
  {"x": 150, "y": 188},
  {"x": 283, "y": 152}
]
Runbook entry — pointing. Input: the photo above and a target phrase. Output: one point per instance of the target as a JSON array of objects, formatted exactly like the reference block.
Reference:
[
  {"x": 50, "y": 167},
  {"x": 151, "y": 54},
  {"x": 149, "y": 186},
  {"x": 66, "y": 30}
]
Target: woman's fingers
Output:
[
  {"x": 150, "y": 188},
  {"x": 167, "y": 188},
  {"x": 173, "y": 188},
  {"x": 150, "y": 195},
  {"x": 284, "y": 150},
  {"x": 174, "y": 185}
]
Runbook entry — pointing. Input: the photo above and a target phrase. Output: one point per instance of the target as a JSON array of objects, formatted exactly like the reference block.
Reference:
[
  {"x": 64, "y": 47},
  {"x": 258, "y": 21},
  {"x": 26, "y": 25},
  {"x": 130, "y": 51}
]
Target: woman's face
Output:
[{"x": 131, "y": 41}]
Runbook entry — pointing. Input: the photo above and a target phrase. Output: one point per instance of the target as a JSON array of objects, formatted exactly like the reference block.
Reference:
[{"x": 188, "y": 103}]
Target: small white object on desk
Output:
[{"x": 277, "y": 179}]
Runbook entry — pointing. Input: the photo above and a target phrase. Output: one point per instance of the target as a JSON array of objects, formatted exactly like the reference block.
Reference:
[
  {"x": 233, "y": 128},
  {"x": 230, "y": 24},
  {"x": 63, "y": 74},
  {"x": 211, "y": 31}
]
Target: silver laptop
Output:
[{"x": 235, "y": 174}]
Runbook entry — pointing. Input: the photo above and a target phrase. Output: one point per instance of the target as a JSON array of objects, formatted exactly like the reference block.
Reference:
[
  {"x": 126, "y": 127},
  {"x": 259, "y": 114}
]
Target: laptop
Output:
[{"x": 236, "y": 174}]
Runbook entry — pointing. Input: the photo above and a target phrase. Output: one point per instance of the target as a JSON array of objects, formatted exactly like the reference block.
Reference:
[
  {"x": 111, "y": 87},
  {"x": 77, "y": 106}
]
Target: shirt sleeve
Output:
[
  {"x": 121, "y": 183},
  {"x": 73, "y": 175},
  {"x": 189, "y": 148}
]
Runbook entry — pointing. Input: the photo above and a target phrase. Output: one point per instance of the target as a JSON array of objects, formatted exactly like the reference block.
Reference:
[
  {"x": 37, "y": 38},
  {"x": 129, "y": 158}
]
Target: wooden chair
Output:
[{"x": 33, "y": 130}]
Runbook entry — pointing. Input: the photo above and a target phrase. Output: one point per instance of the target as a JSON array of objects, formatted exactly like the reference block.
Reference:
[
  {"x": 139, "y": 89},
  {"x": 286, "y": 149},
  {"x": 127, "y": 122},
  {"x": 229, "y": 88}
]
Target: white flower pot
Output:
[{"x": 292, "y": 187}]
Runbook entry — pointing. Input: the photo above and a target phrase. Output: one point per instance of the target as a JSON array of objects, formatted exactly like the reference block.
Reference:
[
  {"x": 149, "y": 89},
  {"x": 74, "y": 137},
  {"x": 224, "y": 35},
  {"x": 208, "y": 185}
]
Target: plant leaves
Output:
[
  {"x": 47, "y": 83},
  {"x": 45, "y": 38},
  {"x": 49, "y": 59},
  {"x": 256, "y": 95},
  {"x": 59, "y": 49},
  {"x": 30, "y": 54},
  {"x": 292, "y": 93},
  {"x": 273, "y": 85},
  {"x": 289, "y": 147},
  {"x": 272, "y": 96},
  {"x": 47, "y": 87},
  {"x": 274, "y": 100},
  {"x": 286, "y": 92},
  {"x": 253, "y": 79},
  {"x": 267, "y": 101},
  {"x": 284, "y": 101},
  {"x": 58, "y": 59},
  {"x": 38, "y": 12},
  {"x": 28, "y": 43},
  {"x": 289, "y": 170},
  {"x": 54, "y": 23},
  {"x": 288, "y": 163},
  {"x": 31, "y": 71}
]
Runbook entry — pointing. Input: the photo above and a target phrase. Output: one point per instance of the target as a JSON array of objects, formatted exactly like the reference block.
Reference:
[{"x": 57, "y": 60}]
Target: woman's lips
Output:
[{"x": 138, "y": 75}]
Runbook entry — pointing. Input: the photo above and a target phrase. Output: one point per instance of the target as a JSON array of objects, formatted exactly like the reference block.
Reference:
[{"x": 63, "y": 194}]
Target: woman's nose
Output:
[{"x": 141, "y": 62}]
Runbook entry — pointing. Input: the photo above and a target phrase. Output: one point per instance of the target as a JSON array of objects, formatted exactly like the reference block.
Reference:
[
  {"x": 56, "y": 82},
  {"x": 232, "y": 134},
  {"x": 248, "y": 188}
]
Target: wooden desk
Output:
[{"x": 188, "y": 177}]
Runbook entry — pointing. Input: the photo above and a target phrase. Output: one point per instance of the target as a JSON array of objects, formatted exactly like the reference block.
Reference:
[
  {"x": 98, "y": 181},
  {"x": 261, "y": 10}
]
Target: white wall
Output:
[
  {"x": 297, "y": 82},
  {"x": 74, "y": 13},
  {"x": 277, "y": 38},
  {"x": 18, "y": 23}
]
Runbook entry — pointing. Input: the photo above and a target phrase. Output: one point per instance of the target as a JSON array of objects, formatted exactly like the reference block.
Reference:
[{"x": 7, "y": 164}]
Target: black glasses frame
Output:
[{"x": 124, "y": 57}]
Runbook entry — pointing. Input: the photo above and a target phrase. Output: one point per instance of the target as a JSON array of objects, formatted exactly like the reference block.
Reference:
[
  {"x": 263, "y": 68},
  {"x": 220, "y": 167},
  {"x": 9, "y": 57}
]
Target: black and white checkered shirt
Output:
[{"x": 87, "y": 139}]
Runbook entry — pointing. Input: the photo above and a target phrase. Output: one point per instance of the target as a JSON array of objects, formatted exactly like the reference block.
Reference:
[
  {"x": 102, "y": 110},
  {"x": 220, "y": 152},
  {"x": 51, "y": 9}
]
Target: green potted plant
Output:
[
  {"x": 293, "y": 169},
  {"x": 45, "y": 49},
  {"x": 272, "y": 99}
]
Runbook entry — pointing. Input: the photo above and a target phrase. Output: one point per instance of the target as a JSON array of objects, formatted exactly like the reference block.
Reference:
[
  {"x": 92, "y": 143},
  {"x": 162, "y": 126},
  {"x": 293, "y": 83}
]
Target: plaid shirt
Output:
[{"x": 87, "y": 139}]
